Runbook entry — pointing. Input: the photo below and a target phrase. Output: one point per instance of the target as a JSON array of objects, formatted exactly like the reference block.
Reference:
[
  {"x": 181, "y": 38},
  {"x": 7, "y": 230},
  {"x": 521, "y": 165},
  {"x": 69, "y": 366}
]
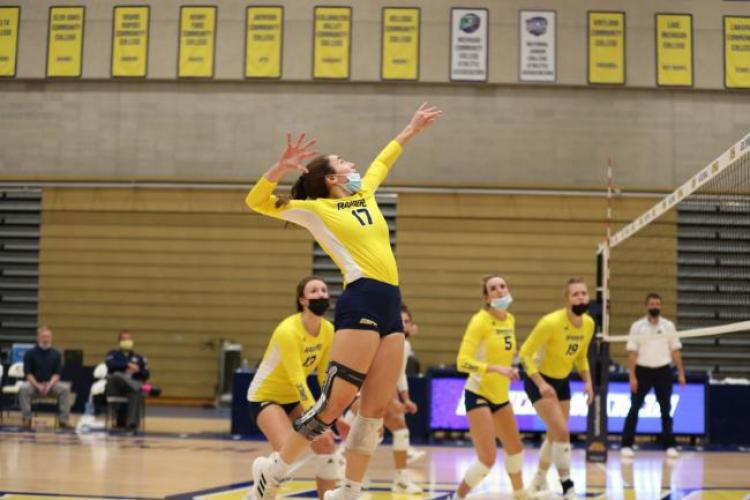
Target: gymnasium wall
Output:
[
  {"x": 184, "y": 269},
  {"x": 497, "y": 133}
]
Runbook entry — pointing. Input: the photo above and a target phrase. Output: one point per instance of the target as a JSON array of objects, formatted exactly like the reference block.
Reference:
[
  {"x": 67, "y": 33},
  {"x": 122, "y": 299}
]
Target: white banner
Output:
[
  {"x": 538, "y": 59},
  {"x": 469, "y": 45}
]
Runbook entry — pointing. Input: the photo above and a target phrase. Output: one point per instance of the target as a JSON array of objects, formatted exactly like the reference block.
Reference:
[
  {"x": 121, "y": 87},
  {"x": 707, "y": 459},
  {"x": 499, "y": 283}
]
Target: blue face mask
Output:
[
  {"x": 353, "y": 182},
  {"x": 501, "y": 303}
]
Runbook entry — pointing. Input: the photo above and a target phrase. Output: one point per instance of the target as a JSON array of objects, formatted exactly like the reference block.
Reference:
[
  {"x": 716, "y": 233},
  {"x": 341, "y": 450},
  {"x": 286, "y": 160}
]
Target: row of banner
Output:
[{"x": 264, "y": 34}]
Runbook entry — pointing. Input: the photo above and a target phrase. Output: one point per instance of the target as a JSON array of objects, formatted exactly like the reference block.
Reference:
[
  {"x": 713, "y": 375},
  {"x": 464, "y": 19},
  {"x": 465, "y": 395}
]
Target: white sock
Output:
[
  {"x": 279, "y": 468},
  {"x": 352, "y": 488}
]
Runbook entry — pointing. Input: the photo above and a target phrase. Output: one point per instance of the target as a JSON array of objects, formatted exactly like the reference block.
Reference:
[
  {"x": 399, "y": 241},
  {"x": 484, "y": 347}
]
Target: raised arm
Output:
[
  {"x": 379, "y": 168},
  {"x": 261, "y": 198}
]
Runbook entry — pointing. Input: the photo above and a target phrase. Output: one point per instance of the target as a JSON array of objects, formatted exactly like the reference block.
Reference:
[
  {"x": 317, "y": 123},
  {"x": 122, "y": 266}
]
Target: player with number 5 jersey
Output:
[
  {"x": 337, "y": 205},
  {"x": 486, "y": 354}
]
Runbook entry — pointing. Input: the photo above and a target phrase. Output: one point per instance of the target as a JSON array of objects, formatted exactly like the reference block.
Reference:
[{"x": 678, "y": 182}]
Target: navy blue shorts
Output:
[
  {"x": 258, "y": 406},
  {"x": 473, "y": 401},
  {"x": 560, "y": 385},
  {"x": 368, "y": 304}
]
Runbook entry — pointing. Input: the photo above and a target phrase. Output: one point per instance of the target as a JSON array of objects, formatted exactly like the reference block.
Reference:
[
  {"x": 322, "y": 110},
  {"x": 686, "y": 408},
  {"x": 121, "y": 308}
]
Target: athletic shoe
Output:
[
  {"x": 627, "y": 452},
  {"x": 538, "y": 484},
  {"x": 339, "y": 493},
  {"x": 672, "y": 452},
  {"x": 264, "y": 485},
  {"x": 413, "y": 454},
  {"x": 403, "y": 484}
]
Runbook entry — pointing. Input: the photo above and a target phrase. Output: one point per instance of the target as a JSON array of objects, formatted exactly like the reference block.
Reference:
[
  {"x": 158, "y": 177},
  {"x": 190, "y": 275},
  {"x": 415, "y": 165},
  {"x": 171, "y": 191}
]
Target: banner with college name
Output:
[
  {"x": 674, "y": 50},
  {"x": 264, "y": 41},
  {"x": 469, "y": 44},
  {"x": 130, "y": 29},
  {"x": 737, "y": 52},
  {"x": 538, "y": 58},
  {"x": 9, "y": 18},
  {"x": 197, "y": 42},
  {"x": 400, "y": 32},
  {"x": 332, "y": 42},
  {"x": 65, "y": 41},
  {"x": 606, "y": 48}
]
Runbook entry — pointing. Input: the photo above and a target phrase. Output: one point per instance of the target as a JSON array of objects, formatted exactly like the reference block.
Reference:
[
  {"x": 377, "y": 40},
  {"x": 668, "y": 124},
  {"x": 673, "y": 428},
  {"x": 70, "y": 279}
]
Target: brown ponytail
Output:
[{"x": 311, "y": 185}]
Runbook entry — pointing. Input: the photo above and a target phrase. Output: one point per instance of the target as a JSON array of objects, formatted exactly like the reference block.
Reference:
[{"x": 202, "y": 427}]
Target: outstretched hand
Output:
[
  {"x": 424, "y": 117},
  {"x": 296, "y": 153}
]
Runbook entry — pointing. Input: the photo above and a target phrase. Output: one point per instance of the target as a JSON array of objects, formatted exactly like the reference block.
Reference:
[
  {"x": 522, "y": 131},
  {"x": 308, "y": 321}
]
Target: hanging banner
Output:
[
  {"x": 736, "y": 52},
  {"x": 674, "y": 50},
  {"x": 469, "y": 29},
  {"x": 400, "y": 47},
  {"x": 197, "y": 42},
  {"x": 130, "y": 27},
  {"x": 538, "y": 58},
  {"x": 263, "y": 42},
  {"x": 9, "y": 17},
  {"x": 65, "y": 41},
  {"x": 607, "y": 48},
  {"x": 331, "y": 47}
]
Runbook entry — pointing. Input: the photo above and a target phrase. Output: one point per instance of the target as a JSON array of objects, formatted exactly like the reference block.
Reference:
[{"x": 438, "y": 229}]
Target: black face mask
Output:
[
  {"x": 319, "y": 306},
  {"x": 655, "y": 312},
  {"x": 580, "y": 309}
]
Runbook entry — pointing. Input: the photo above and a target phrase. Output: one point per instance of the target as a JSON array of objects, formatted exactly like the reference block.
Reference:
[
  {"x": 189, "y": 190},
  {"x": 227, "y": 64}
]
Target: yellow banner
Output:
[
  {"x": 400, "y": 44},
  {"x": 197, "y": 42},
  {"x": 9, "y": 17},
  {"x": 263, "y": 42},
  {"x": 130, "y": 41},
  {"x": 607, "y": 48},
  {"x": 65, "y": 41},
  {"x": 333, "y": 34},
  {"x": 674, "y": 50},
  {"x": 737, "y": 52}
]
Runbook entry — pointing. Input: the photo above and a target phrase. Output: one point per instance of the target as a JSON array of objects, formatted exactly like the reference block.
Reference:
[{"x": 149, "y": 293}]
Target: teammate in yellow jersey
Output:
[
  {"x": 279, "y": 393},
  {"x": 486, "y": 354},
  {"x": 559, "y": 341},
  {"x": 338, "y": 207}
]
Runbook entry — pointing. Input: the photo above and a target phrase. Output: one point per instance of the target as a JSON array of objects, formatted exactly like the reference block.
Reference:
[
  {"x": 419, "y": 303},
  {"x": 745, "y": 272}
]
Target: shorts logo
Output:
[
  {"x": 481, "y": 401},
  {"x": 369, "y": 322}
]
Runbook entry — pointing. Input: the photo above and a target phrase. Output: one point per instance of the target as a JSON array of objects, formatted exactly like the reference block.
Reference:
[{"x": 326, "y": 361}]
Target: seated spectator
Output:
[
  {"x": 42, "y": 366},
  {"x": 127, "y": 377}
]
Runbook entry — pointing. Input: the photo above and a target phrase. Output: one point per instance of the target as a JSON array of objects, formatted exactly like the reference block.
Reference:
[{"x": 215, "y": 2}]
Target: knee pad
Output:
[
  {"x": 309, "y": 423},
  {"x": 561, "y": 455},
  {"x": 401, "y": 440},
  {"x": 475, "y": 473},
  {"x": 545, "y": 452},
  {"x": 514, "y": 463},
  {"x": 326, "y": 467},
  {"x": 364, "y": 435}
]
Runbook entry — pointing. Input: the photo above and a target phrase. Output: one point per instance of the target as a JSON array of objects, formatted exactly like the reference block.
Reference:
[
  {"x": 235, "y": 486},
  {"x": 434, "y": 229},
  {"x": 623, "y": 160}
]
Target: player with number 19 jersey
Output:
[
  {"x": 555, "y": 345},
  {"x": 292, "y": 354},
  {"x": 351, "y": 230}
]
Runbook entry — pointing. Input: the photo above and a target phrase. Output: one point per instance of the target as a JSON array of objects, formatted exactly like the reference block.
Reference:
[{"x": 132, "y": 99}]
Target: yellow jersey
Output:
[
  {"x": 292, "y": 354},
  {"x": 556, "y": 345},
  {"x": 487, "y": 341},
  {"x": 351, "y": 230}
]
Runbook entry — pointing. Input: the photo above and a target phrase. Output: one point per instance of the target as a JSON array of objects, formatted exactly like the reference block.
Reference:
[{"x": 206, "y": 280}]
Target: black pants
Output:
[
  {"x": 661, "y": 381},
  {"x": 118, "y": 384}
]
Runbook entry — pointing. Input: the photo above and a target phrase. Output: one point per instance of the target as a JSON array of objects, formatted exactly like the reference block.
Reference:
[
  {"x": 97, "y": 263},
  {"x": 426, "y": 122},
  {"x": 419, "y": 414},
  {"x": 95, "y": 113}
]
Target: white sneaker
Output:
[
  {"x": 538, "y": 484},
  {"x": 627, "y": 452},
  {"x": 413, "y": 454},
  {"x": 264, "y": 486},
  {"x": 339, "y": 493},
  {"x": 570, "y": 495},
  {"x": 672, "y": 452},
  {"x": 403, "y": 484}
]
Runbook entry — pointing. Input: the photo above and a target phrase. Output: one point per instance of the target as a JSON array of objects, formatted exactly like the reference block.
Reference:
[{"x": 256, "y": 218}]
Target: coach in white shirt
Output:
[{"x": 649, "y": 358}]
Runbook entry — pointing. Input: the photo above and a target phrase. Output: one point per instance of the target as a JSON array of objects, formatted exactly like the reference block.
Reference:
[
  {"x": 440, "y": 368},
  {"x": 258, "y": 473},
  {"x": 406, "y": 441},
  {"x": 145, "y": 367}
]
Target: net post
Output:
[{"x": 596, "y": 420}]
